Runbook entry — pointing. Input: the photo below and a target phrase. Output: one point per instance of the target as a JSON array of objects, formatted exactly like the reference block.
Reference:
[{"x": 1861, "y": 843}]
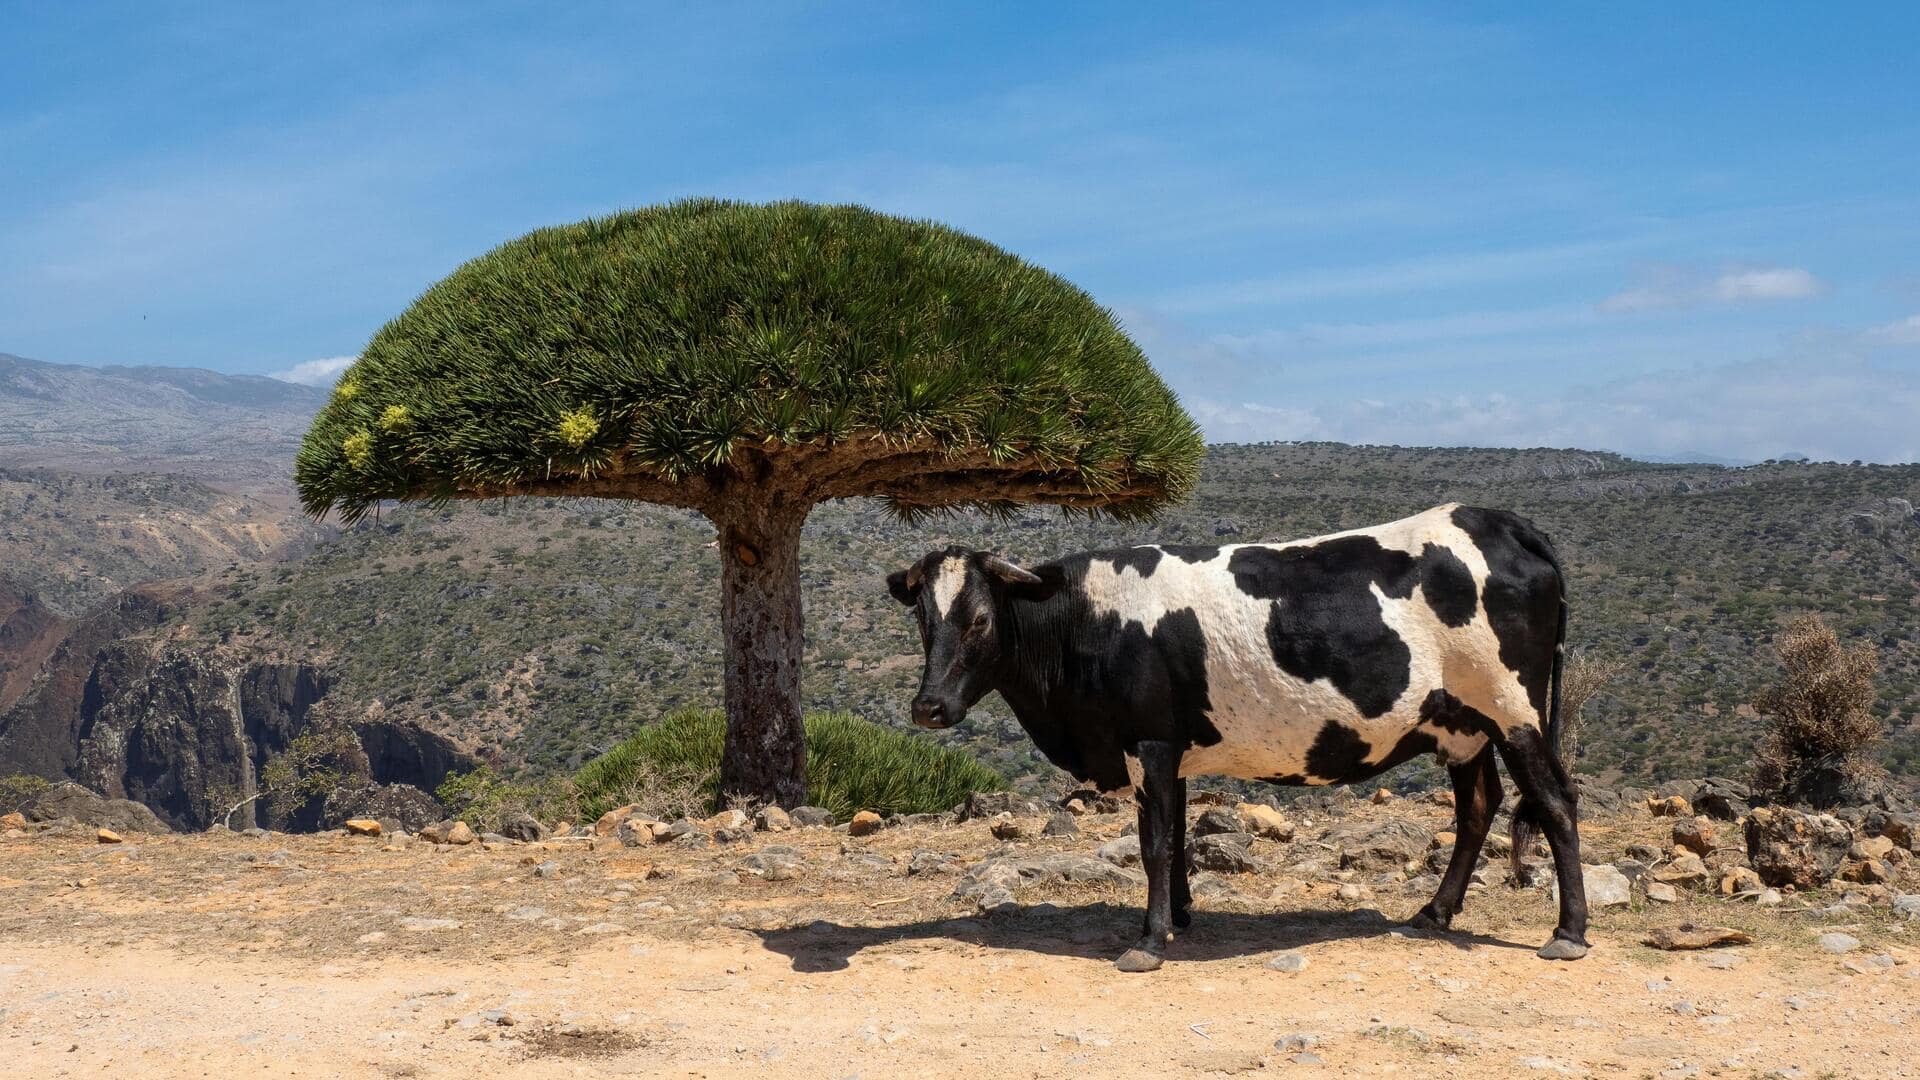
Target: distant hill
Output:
[{"x": 234, "y": 432}]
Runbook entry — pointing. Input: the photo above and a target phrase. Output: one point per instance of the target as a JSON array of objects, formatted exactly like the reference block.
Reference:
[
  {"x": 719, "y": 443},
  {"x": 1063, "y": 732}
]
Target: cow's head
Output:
[{"x": 959, "y": 598}]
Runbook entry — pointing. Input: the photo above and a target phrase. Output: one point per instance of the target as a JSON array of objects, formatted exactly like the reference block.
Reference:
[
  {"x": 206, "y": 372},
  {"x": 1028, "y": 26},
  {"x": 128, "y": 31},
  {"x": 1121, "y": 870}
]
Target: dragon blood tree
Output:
[{"x": 749, "y": 361}]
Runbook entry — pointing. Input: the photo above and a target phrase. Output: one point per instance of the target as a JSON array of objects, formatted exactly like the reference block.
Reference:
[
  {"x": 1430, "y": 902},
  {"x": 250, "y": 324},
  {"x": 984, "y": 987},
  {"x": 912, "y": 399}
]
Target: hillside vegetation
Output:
[{"x": 547, "y": 630}]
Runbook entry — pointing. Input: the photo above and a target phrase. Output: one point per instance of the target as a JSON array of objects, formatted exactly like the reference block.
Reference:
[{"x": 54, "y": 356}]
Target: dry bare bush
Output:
[
  {"x": 1821, "y": 723},
  {"x": 1584, "y": 676}
]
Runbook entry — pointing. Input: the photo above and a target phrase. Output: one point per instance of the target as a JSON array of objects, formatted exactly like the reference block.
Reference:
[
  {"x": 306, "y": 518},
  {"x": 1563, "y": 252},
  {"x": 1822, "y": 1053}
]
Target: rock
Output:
[
  {"x": 1661, "y": 892},
  {"x": 14, "y": 820},
  {"x": 1685, "y": 871},
  {"x": 1907, "y": 906},
  {"x": 635, "y": 832},
  {"x": 1382, "y": 797},
  {"x": 1265, "y": 822},
  {"x": 811, "y": 817},
  {"x": 728, "y": 819},
  {"x": 1645, "y": 853},
  {"x": 521, "y": 826},
  {"x": 1016, "y": 872},
  {"x": 1741, "y": 881},
  {"x": 362, "y": 827},
  {"x": 1061, "y": 824},
  {"x": 776, "y": 862},
  {"x": 1689, "y": 937},
  {"x": 1897, "y": 826},
  {"x": 1769, "y": 898},
  {"x": 1872, "y": 847},
  {"x": 1007, "y": 827},
  {"x": 1671, "y": 806},
  {"x": 1351, "y": 893},
  {"x": 932, "y": 862},
  {"x": 609, "y": 823},
  {"x": 106, "y": 836},
  {"x": 1696, "y": 834},
  {"x": 1214, "y": 820},
  {"x": 1605, "y": 887},
  {"x": 771, "y": 819},
  {"x": 1788, "y": 847},
  {"x": 1376, "y": 846},
  {"x": 1124, "y": 851},
  {"x": 1869, "y": 965},
  {"x": 70, "y": 800},
  {"x": 986, "y": 804},
  {"x": 732, "y": 834},
  {"x": 678, "y": 830},
  {"x": 459, "y": 833},
  {"x": 1867, "y": 872},
  {"x": 1723, "y": 799},
  {"x": 1292, "y": 963},
  {"x": 1838, "y": 943},
  {"x": 424, "y": 925},
  {"x": 1223, "y": 853}
]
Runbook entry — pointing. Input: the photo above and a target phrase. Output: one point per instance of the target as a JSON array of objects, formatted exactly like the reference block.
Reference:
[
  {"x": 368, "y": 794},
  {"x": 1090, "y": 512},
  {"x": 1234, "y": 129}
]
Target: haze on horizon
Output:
[{"x": 1667, "y": 232}]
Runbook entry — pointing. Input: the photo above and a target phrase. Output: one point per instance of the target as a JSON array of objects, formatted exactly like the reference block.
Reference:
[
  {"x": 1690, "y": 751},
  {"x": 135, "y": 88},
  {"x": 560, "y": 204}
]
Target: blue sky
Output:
[{"x": 1655, "y": 228}]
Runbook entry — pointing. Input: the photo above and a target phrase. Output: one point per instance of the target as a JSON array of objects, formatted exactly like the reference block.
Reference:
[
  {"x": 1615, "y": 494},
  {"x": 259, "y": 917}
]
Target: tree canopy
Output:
[{"x": 666, "y": 352}]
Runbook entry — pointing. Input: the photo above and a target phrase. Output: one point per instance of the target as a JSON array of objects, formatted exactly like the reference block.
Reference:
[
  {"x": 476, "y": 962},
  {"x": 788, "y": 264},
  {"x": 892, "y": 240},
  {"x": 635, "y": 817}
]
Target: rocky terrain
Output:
[{"x": 955, "y": 945}]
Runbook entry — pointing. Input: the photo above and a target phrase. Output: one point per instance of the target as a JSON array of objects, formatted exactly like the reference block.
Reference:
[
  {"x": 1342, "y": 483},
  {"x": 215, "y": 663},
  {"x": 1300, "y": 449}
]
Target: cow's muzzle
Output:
[{"x": 932, "y": 712}]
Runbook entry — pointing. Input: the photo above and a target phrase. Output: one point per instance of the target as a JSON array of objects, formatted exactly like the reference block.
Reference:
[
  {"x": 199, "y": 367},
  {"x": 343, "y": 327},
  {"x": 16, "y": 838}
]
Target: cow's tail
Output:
[{"x": 1528, "y": 817}]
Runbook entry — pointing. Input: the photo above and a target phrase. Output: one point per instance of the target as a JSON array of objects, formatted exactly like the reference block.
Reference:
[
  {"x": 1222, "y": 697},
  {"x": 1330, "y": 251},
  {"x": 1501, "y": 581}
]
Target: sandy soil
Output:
[{"x": 324, "y": 956}]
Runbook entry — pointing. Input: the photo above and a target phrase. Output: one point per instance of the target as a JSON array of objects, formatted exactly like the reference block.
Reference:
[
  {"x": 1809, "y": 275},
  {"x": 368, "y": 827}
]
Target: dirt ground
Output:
[{"x": 221, "y": 955}]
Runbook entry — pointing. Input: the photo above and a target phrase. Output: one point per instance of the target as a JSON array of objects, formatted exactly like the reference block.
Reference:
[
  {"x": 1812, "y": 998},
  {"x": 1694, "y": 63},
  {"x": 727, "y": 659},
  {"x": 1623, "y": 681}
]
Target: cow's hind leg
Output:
[
  {"x": 1161, "y": 820},
  {"x": 1476, "y": 798},
  {"x": 1547, "y": 799},
  {"x": 1182, "y": 891}
]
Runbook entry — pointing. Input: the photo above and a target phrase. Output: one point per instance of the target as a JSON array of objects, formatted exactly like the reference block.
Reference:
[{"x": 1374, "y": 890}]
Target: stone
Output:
[
  {"x": 732, "y": 834},
  {"x": 1351, "y": 893},
  {"x": 1723, "y": 799},
  {"x": 1663, "y": 893},
  {"x": 635, "y": 832},
  {"x": 728, "y": 819},
  {"x": 1124, "y": 851},
  {"x": 521, "y": 826},
  {"x": 1685, "y": 871},
  {"x": 1898, "y": 826},
  {"x": 610, "y": 822},
  {"x": 1838, "y": 943},
  {"x": 1061, "y": 824},
  {"x": 1218, "y": 819},
  {"x": 1382, "y": 797},
  {"x": 14, "y": 820},
  {"x": 1016, "y": 872},
  {"x": 1223, "y": 853},
  {"x": 460, "y": 834},
  {"x": 1788, "y": 847},
  {"x": 106, "y": 836},
  {"x": 1605, "y": 887},
  {"x": 422, "y": 924},
  {"x": 1671, "y": 806},
  {"x": 1867, "y": 872},
  {"x": 1007, "y": 827},
  {"x": 1376, "y": 846},
  {"x": 811, "y": 817},
  {"x": 1688, "y": 937},
  {"x": 1868, "y": 965},
  {"x": 1645, "y": 853},
  {"x": 1907, "y": 906},
  {"x": 548, "y": 869},
  {"x": 1292, "y": 963},
  {"x": 362, "y": 827},
  {"x": 1872, "y": 847},
  {"x": 776, "y": 862},
  {"x": 1695, "y": 834},
  {"x": 1741, "y": 881},
  {"x": 1265, "y": 822},
  {"x": 771, "y": 819},
  {"x": 932, "y": 862},
  {"x": 69, "y": 800}
]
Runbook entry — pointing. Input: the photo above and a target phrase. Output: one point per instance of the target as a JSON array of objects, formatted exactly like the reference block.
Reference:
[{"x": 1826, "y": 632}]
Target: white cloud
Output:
[
  {"x": 1904, "y": 332},
  {"x": 316, "y": 372},
  {"x": 1838, "y": 409},
  {"x": 1671, "y": 286}
]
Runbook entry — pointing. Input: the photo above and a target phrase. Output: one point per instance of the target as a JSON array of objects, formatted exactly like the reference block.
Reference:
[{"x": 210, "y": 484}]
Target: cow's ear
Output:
[{"x": 905, "y": 585}]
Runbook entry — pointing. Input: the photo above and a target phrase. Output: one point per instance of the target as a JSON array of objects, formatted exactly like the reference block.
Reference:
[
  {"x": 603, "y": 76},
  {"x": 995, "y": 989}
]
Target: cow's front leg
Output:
[
  {"x": 1160, "y": 816},
  {"x": 1182, "y": 891}
]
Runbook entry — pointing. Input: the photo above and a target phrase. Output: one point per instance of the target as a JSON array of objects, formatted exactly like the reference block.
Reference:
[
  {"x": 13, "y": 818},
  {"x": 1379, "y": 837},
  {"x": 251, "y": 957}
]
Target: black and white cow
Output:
[{"x": 1320, "y": 661}]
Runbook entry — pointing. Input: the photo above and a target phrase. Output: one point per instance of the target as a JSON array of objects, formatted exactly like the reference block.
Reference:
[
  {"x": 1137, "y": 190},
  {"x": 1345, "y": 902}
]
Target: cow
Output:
[{"x": 1320, "y": 661}]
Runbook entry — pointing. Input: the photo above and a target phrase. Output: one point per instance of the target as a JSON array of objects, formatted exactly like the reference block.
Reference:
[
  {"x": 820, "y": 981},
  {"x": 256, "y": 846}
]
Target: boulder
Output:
[
  {"x": 14, "y": 820},
  {"x": 1008, "y": 827},
  {"x": 70, "y": 800},
  {"x": 775, "y": 862},
  {"x": 609, "y": 822},
  {"x": 771, "y": 819},
  {"x": 1670, "y": 806},
  {"x": 1898, "y": 826},
  {"x": 522, "y": 826},
  {"x": 1014, "y": 873},
  {"x": 812, "y": 817},
  {"x": 361, "y": 827},
  {"x": 1788, "y": 847},
  {"x": 1605, "y": 887},
  {"x": 1265, "y": 822},
  {"x": 1061, "y": 824},
  {"x": 1723, "y": 799},
  {"x": 1685, "y": 871},
  {"x": 106, "y": 836},
  {"x": 1223, "y": 853},
  {"x": 635, "y": 832},
  {"x": 864, "y": 823},
  {"x": 1216, "y": 819},
  {"x": 1741, "y": 881},
  {"x": 1378, "y": 846},
  {"x": 1124, "y": 851},
  {"x": 1695, "y": 834}
]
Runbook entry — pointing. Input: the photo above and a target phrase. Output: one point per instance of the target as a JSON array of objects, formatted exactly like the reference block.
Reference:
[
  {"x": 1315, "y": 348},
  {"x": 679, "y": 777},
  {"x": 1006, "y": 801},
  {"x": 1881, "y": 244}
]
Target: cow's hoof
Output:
[
  {"x": 1139, "y": 960},
  {"x": 1427, "y": 920},
  {"x": 1562, "y": 949}
]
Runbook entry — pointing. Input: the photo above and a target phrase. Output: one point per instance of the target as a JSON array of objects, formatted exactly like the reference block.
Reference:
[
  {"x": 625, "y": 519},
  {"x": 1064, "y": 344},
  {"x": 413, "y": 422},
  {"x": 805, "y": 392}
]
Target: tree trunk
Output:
[{"x": 766, "y": 751}]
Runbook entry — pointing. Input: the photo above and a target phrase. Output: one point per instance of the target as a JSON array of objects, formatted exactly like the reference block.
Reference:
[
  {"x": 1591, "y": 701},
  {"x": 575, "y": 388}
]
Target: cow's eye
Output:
[{"x": 980, "y": 620}]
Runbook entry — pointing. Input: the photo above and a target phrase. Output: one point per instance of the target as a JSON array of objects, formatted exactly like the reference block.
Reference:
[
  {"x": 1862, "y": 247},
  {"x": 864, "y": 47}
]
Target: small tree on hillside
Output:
[
  {"x": 312, "y": 764},
  {"x": 1822, "y": 726},
  {"x": 1585, "y": 675},
  {"x": 749, "y": 362}
]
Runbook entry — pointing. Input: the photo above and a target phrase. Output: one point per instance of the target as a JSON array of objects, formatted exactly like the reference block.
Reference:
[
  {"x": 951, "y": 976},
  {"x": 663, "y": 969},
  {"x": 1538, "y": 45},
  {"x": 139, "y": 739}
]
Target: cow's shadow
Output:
[{"x": 1102, "y": 931}]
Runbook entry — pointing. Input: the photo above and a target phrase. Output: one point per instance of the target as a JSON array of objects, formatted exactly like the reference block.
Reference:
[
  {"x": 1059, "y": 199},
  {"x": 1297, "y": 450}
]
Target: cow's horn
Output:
[{"x": 1010, "y": 573}]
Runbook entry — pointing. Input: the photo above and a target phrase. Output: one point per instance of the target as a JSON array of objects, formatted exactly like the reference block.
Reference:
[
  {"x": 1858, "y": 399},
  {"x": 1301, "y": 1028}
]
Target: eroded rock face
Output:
[
  {"x": 70, "y": 800},
  {"x": 1788, "y": 847}
]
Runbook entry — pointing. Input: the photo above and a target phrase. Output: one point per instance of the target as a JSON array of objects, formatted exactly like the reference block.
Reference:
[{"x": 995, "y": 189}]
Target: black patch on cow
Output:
[
  {"x": 1193, "y": 553},
  {"x": 1181, "y": 646},
  {"x": 1338, "y": 752},
  {"x": 1522, "y": 594},
  {"x": 1142, "y": 559},
  {"x": 1448, "y": 585},
  {"x": 1448, "y": 713}
]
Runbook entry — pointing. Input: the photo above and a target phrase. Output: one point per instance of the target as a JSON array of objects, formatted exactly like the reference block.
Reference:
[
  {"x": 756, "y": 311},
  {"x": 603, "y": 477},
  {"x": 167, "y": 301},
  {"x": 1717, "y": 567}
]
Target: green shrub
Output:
[
  {"x": 852, "y": 765},
  {"x": 484, "y": 799},
  {"x": 15, "y": 790}
]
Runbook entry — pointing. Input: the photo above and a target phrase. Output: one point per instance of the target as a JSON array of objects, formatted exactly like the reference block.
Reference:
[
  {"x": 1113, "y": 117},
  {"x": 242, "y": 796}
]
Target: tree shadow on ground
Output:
[{"x": 1102, "y": 931}]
